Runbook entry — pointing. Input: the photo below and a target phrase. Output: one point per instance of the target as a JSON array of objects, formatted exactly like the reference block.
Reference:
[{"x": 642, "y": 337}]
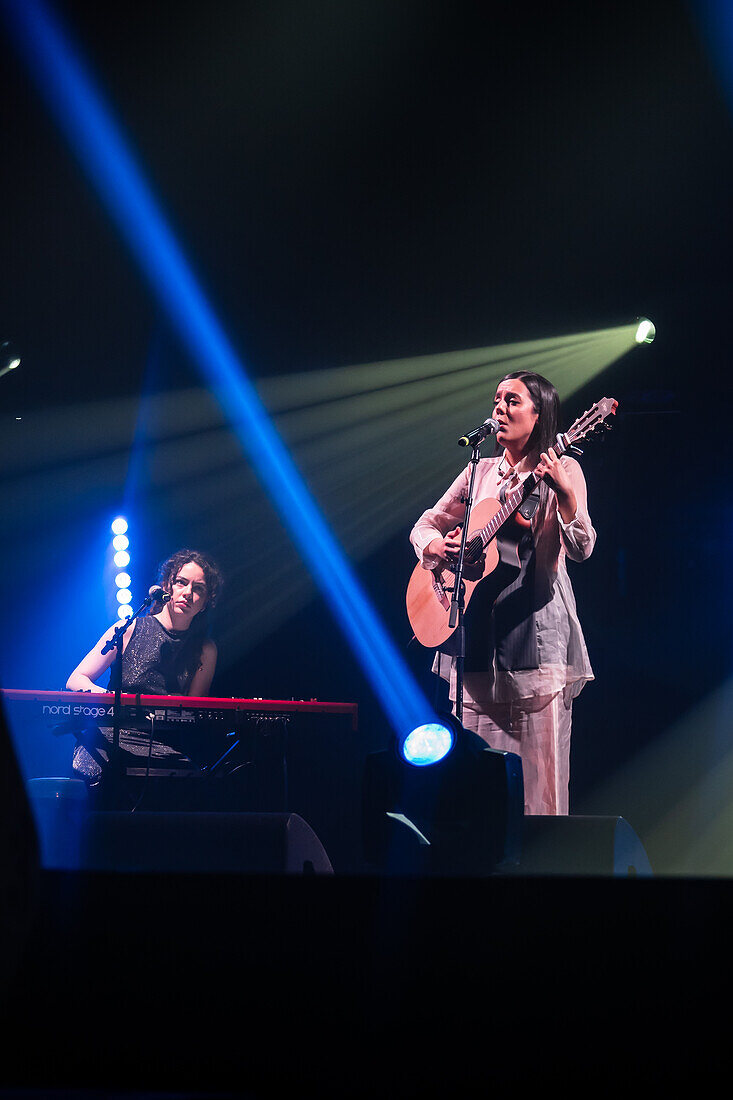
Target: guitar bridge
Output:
[{"x": 440, "y": 591}]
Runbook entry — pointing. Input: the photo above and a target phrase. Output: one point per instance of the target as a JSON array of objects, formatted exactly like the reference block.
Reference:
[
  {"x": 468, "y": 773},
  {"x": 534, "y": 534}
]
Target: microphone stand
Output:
[
  {"x": 115, "y": 642},
  {"x": 459, "y": 590}
]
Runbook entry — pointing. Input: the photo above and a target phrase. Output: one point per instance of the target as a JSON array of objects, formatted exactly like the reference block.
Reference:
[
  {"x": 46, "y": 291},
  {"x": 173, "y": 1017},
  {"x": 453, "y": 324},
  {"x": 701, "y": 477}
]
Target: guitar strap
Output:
[{"x": 528, "y": 509}]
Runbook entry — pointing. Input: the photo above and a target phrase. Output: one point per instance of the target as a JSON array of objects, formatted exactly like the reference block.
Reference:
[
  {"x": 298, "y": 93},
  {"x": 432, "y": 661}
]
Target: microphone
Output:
[
  {"x": 157, "y": 594},
  {"x": 478, "y": 435}
]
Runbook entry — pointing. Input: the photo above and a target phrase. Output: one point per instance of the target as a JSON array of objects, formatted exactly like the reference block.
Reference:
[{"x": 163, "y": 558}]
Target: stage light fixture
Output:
[
  {"x": 427, "y": 744},
  {"x": 121, "y": 558},
  {"x": 645, "y": 331},
  {"x": 9, "y": 358},
  {"x": 461, "y": 816}
]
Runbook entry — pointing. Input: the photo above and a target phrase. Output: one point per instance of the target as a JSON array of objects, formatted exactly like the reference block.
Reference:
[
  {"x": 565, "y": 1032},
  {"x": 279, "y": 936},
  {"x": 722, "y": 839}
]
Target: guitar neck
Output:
[
  {"x": 516, "y": 497},
  {"x": 513, "y": 500}
]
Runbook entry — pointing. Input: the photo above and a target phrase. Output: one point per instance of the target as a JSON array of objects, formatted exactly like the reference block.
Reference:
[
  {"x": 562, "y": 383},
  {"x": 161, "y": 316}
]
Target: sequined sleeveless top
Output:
[{"x": 155, "y": 660}]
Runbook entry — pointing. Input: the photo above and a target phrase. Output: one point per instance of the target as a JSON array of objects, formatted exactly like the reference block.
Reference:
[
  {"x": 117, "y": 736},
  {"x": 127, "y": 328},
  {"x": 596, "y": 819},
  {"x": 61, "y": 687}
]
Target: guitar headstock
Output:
[{"x": 594, "y": 419}]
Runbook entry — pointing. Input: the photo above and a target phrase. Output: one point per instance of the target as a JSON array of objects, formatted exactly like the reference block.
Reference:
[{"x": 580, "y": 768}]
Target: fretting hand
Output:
[{"x": 551, "y": 469}]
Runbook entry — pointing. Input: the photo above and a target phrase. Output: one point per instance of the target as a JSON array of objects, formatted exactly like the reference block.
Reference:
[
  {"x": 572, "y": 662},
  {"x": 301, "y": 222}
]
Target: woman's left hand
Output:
[{"x": 554, "y": 473}]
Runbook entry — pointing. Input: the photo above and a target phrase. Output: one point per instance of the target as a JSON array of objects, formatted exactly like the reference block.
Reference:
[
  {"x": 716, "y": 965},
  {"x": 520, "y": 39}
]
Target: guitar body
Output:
[{"x": 430, "y": 591}]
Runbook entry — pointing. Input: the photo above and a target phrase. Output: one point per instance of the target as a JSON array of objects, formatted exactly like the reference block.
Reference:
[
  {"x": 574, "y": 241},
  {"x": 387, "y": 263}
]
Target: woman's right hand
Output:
[{"x": 446, "y": 546}]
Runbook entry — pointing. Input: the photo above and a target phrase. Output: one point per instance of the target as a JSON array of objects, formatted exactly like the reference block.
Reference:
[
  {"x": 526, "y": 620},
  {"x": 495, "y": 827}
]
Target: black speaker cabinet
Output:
[
  {"x": 224, "y": 843},
  {"x": 578, "y": 845},
  {"x": 19, "y": 859}
]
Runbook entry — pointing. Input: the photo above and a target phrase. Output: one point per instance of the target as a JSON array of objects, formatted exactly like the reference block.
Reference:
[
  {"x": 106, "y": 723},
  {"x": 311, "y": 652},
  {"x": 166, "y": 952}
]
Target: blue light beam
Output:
[
  {"x": 715, "y": 24},
  {"x": 90, "y": 129}
]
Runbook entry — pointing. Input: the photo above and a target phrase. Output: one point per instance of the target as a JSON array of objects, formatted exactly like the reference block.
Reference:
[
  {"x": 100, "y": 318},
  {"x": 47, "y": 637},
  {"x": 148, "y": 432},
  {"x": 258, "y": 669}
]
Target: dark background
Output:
[{"x": 370, "y": 180}]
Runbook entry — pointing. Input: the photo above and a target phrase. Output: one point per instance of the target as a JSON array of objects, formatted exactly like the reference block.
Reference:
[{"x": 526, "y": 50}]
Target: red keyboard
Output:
[{"x": 168, "y": 710}]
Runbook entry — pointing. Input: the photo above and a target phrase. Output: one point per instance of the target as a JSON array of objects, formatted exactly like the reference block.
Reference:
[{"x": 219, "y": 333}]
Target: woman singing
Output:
[
  {"x": 526, "y": 658},
  {"x": 165, "y": 653}
]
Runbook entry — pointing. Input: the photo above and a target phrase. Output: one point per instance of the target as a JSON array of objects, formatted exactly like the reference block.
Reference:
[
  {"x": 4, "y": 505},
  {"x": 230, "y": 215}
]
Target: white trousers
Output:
[{"x": 537, "y": 730}]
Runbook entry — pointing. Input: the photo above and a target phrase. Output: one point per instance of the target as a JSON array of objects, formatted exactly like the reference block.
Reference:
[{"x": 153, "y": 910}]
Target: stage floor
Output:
[{"x": 351, "y": 984}]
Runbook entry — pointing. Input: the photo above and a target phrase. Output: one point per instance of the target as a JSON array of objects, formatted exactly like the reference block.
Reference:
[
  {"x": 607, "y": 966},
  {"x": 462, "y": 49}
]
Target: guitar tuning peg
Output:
[{"x": 574, "y": 450}]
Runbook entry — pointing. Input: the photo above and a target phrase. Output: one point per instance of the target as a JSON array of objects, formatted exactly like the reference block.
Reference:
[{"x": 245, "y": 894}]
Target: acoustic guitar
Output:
[{"x": 430, "y": 590}]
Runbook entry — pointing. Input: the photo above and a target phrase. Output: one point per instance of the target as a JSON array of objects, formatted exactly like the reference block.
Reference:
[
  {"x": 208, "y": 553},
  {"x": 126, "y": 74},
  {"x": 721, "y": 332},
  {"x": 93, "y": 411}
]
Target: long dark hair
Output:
[
  {"x": 546, "y": 403},
  {"x": 199, "y": 628}
]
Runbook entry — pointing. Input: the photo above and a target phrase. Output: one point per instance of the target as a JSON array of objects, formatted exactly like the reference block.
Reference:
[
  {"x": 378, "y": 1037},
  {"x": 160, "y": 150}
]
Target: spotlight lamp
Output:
[
  {"x": 442, "y": 802},
  {"x": 428, "y": 744},
  {"x": 645, "y": 331},
  {"x": 9, "y": 358}
]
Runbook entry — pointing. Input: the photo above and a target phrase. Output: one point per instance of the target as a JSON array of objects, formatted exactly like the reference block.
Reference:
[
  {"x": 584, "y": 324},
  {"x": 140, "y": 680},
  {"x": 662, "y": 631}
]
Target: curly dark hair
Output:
[
  {"x": 190, "y": 657},
  {"x": 169, "y": 569}
]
